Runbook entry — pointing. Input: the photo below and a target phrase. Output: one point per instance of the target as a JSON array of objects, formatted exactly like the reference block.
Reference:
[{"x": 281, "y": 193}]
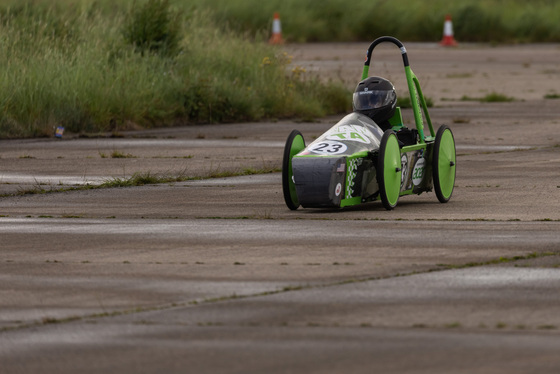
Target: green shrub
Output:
[
  {"x": 154, "y": 27},
  {"x": 495, "y": 97},
  {"x": 492, "y": 97}
]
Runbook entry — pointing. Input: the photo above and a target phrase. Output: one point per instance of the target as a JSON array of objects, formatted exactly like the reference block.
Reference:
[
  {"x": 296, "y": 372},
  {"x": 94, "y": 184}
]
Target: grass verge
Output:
[
  {"x": 99, "y": 66},
  {"x": 473, "y": 20},
  {"x": 492, "y": 97},
  {"x": 141, "y": 179}
]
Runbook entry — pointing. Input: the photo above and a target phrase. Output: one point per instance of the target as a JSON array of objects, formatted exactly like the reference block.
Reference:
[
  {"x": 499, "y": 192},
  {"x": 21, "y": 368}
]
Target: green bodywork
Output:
[
  {"x": 420, "y": 111},
  {"x": 424, "y": 147},
  {"x": 393, "y": 170}
]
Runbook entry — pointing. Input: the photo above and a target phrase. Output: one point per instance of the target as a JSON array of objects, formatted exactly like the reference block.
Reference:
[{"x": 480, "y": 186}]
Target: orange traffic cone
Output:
[
  {"x": 276, "y": 37},
  {"x": 448, "y": 39}
]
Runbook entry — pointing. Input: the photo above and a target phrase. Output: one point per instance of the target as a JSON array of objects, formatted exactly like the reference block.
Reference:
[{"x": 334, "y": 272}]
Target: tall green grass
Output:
[
  {"x": 79, "y": 64},
  {"x": 103, "y": 65},
  {"x": 408, "y": 20}
]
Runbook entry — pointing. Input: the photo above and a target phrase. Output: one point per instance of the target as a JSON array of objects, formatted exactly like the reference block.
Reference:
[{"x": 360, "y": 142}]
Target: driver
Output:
[{"x": 376, "y": 98}]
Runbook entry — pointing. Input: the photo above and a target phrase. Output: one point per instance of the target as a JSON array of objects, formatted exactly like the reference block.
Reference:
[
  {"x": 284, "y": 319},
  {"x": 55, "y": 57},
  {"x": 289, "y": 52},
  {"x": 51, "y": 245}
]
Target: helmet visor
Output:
[{"x": 365, "y": 100}]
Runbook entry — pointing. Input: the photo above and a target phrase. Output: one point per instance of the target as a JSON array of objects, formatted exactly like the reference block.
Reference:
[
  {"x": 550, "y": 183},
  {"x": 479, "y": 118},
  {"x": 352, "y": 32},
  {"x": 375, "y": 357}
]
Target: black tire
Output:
[
  {"x": 294, "y": 144},
  {"x": 443, "y": 163},
  {"x": 389, "y": 170}
]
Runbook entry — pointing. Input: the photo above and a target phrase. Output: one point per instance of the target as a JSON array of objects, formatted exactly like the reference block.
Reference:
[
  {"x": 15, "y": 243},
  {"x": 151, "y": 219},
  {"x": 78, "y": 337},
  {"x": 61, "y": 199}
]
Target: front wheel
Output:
[
  {"x": 443, "y": 163},
  {"x": 389, "y": 170},
  {"x": 294, "y": 144}
]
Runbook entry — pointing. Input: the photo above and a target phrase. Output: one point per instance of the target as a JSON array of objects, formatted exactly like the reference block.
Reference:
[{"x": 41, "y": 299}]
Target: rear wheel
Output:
[
  {"x": 443, "y": 163},
  {"x": 389, "y": 170},
  {"x": 294, "y": 144}
]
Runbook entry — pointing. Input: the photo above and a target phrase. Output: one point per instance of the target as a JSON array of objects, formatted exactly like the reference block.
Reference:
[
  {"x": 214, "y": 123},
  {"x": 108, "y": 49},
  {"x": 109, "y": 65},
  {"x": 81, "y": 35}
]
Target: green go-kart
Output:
[{"x": 355, "y": 161}]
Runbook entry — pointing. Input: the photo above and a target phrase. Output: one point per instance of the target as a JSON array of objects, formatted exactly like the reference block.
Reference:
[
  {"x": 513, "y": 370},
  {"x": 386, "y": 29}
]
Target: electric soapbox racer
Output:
[{"x": 370, "y": 154}]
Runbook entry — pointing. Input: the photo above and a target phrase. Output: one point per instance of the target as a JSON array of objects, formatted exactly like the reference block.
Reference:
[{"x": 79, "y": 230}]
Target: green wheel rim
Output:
[
  {"x": 389, "y": 173},
  {"x": 294, "y": 144},
  {"x": 444, "y": 160}
]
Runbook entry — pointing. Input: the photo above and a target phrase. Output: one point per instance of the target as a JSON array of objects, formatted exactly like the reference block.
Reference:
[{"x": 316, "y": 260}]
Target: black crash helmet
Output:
[{"x": 376, "y": 98}]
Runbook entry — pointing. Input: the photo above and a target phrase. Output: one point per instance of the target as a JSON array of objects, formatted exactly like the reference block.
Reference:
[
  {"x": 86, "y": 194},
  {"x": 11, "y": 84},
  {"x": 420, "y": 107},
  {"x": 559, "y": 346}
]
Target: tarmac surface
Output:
[{"x": 218, "y": 276}]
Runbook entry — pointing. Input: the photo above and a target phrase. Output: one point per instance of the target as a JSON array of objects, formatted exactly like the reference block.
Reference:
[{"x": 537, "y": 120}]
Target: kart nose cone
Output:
[{"x": 319, "y": 181}]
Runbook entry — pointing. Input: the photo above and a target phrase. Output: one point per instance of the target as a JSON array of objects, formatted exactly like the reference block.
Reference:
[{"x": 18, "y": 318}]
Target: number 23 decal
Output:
[{"x": 328, "y": 148}]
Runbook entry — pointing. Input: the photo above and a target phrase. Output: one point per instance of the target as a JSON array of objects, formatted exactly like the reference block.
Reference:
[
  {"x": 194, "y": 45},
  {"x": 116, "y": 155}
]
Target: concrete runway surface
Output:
[{"x": 218, "y": 276}]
